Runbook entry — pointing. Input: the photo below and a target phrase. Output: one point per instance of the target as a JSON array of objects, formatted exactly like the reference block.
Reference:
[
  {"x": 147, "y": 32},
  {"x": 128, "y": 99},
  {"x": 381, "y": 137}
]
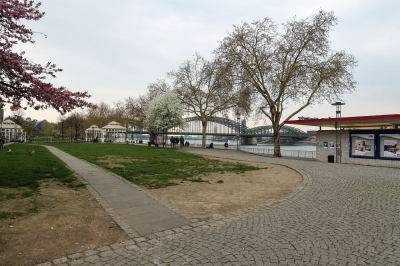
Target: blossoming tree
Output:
[
  {"x": 22, "y": 80},
  {"x": 164, "y": 112}
]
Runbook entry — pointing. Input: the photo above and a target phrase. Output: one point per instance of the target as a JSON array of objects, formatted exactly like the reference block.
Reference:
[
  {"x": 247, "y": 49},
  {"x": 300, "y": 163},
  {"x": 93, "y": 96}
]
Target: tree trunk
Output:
[
  {"x": 203, "y": 134},
  {"x": 126, "y": 134},
  {"x": 277, "y": 144},
  {"x": 152, "y": 136}
]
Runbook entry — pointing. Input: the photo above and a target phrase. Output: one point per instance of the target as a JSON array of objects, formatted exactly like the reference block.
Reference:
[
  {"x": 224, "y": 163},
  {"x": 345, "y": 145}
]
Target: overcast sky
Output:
[{"x": 114, "y": 49}]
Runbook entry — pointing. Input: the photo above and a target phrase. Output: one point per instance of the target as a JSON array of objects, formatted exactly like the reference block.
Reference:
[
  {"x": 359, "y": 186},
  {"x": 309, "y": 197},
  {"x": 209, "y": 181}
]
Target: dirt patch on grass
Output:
[
  {"x": 61, "y": 221},
  {"x": 228, "y": 192},
  {"x": 112, "y": 161},
  {"x": 52, "y": 224}
]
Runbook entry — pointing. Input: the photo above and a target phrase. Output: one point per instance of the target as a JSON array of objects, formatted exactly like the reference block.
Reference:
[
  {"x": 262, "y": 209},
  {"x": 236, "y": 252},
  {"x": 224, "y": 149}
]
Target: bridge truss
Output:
[{"x": 227, "y": 127}]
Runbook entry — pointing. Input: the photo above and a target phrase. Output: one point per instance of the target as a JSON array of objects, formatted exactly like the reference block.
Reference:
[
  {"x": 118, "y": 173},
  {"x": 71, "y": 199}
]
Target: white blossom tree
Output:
[{"x": 164, "y": 112}]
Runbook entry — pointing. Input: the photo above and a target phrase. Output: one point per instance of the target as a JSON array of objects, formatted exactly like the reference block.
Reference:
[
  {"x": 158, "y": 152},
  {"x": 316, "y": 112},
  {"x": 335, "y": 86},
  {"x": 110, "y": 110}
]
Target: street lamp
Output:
[
  {"x": 238, "y": 136},
  {"x": 338, "y": 130}
]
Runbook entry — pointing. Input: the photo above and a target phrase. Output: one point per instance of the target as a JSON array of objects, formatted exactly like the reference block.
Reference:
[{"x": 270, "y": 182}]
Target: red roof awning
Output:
[{"x": 350, "y": 122}]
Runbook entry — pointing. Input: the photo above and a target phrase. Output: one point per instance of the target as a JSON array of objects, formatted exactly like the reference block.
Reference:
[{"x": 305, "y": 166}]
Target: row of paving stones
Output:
[{"x": 341, "y": 215}]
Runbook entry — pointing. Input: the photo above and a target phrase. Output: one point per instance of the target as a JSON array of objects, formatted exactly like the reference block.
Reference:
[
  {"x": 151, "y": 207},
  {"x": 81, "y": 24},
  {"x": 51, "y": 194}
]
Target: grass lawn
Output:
[
  {"x": 21, "y": 173},
  {"x": 18, "y": 169},
  {"x": 149, "y": 167}
]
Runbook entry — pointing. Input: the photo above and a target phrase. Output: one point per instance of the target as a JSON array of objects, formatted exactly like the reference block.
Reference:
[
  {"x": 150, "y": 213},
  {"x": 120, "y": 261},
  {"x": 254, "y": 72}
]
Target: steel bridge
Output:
[{"x": 220, "y": 126}]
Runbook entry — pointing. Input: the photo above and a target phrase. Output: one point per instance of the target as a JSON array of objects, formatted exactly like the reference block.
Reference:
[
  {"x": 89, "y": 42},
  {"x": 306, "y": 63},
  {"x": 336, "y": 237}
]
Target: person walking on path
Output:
[
  {"x": 182, "y": 141},
  {"x": 172, "y": 141}
]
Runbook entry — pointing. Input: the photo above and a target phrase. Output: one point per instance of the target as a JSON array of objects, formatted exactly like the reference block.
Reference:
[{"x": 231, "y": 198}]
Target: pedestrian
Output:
[
  {"x": 176, "y": 141},
  {"x": 226, "y": 144},
  {"x": 182, "y": 141},
  {"x": 172, "y": 141}
]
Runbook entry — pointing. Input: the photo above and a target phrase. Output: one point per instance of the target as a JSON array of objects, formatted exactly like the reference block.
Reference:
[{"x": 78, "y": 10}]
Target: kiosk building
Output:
[{"x": 368, "y": 140}]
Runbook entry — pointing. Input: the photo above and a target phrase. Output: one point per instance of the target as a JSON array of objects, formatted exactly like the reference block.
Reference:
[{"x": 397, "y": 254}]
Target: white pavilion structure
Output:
[
  {"x": 10, "y": 131},
  {"x": 112, "y": 131},
  {"x": 92, "y": 132}
]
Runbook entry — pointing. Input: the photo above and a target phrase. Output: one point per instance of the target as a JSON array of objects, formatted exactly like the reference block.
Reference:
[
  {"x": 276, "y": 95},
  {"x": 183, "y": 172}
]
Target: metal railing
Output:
[
  {"x": 284, "y": 153},
  {"x": 270, "y": 152}
]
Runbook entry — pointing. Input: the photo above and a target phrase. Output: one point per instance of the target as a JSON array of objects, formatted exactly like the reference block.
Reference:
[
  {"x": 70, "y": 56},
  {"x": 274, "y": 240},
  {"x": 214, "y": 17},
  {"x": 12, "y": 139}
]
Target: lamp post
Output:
[
  {"x": 338, "y": 130},
  {"x": 238, "y": 136}
]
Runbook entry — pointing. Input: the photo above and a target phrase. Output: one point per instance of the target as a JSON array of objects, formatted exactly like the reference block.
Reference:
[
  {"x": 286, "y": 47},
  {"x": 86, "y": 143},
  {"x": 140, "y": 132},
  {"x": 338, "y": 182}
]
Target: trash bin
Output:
[{"x": 331, "y": 158}]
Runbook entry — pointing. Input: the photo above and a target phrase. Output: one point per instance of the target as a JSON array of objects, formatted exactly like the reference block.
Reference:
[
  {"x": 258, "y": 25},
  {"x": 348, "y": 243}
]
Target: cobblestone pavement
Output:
[{"x": 341, "y": 215}]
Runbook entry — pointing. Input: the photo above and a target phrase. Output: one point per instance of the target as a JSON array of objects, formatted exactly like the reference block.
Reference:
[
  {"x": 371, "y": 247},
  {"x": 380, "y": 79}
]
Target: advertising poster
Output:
[
  {"x": 325, "y": 145},
  {"x": 362, "y": 144},
  {"x": 390, "y": 143}
]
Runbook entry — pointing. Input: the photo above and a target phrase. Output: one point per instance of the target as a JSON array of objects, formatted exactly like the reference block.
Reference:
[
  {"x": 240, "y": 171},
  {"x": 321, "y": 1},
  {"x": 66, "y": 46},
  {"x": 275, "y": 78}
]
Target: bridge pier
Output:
[{"x": 248, "y": 141}]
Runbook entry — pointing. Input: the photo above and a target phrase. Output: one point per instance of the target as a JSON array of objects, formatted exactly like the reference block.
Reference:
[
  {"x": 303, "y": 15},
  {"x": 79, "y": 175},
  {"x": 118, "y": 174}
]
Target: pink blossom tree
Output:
[{"x": 22, "y": 80}]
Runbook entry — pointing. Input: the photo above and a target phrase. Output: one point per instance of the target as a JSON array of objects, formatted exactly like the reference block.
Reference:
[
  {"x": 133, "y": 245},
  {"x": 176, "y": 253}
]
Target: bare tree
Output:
[
  {"x": 156, "y": 89},
  {"x": 205, "y": 89},
  {"x": 296, "y": 65},
  {"x": 29, "y": 127},
  {"x": 61, "y": 125},
  {"x": 138, "y": 108},
  {"x": 18, "y": 116},
  {"x": 75, "y": 121},
  {"x": 99, "y": 116},
  {"x": 124, "y": 113}
]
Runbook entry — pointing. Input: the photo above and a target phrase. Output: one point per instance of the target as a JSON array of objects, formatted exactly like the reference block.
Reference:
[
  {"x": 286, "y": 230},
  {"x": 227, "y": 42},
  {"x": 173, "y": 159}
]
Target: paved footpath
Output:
[
  {"x": 341, "y": 215},
  {"x": 137, "y": 212}
]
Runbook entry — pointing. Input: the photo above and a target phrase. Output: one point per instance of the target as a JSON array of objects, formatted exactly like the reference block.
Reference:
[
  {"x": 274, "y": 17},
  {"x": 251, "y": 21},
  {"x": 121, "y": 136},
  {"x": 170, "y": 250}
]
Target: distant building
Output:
[{"x": 10, "y": 131}]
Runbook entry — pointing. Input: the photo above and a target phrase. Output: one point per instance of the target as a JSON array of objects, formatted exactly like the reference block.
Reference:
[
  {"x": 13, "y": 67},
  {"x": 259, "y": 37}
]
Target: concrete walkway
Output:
[
  {"x": 137, "y": 212},
  {"x": 341, "y": 215}
]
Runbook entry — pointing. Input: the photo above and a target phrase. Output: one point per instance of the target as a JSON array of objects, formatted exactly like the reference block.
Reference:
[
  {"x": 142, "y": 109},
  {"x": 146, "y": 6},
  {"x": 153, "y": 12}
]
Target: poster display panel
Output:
[
  {"x": 363, "y": 145},
  {"x": 389, "y": 145}
]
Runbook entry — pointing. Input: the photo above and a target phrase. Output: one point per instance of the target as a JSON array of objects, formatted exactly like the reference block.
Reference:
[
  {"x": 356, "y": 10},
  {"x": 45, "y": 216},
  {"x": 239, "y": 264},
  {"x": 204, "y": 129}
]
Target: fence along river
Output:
[{"x": 307, "y": 151}]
